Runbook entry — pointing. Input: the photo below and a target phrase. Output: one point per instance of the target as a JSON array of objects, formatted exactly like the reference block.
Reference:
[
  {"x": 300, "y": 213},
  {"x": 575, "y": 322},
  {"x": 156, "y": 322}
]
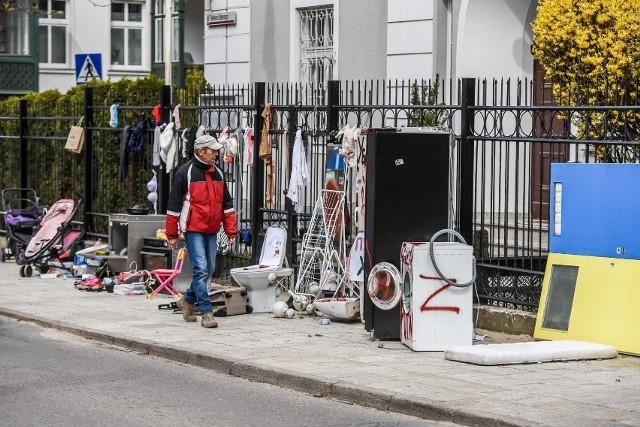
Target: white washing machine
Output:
[{"x": 436, "y": 315}]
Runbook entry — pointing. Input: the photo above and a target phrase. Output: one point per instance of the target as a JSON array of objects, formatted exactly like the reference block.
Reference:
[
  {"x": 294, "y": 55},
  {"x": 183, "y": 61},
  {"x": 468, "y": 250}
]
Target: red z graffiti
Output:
[{"x": 426, "y": 307}]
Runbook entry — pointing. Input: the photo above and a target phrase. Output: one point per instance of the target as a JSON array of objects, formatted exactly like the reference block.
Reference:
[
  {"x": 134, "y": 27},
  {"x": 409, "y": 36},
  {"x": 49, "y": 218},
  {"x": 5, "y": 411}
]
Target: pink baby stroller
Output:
[{"x": 51, "y": 244}]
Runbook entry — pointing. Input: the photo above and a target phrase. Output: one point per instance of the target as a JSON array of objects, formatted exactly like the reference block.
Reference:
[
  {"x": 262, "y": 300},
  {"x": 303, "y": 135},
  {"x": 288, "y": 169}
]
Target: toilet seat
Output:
[
  {"x": 262, "y": 292},
  {"x": 273, "y": 247},
  {"x": 272, "y": 251}
]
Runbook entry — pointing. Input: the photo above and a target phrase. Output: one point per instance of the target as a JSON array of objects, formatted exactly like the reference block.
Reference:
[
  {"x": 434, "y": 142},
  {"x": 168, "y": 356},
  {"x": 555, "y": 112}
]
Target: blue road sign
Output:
[{"x": 88, "y": 67}]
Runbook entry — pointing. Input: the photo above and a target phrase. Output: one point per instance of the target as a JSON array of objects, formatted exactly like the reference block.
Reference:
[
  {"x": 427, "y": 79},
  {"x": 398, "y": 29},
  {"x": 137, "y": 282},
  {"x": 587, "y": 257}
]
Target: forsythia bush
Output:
[{"x": 590, "y": 50}]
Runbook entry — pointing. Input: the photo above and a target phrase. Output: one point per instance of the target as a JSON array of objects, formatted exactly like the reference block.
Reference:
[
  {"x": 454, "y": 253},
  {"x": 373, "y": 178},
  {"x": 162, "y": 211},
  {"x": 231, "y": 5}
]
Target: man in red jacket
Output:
[{"x": 199, "y": 202}]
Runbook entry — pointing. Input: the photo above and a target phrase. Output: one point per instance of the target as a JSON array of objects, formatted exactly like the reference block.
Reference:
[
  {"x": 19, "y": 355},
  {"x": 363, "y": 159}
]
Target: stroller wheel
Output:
[
  {"x": 3, "y": 255},
  {"x": 20, "y": 257},
  {"x": 28, "y": 270},
  {"x": 21, "y": 271},
  {"x": 43, "y": 269}
]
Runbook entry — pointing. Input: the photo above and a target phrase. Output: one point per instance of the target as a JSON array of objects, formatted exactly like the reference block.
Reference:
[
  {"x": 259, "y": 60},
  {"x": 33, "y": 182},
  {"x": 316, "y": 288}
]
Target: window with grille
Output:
[
  {"x": 126, "y": 33},
  {"x": 14, "y": 28},
  {"x": 317, "y": 57},
  {"x": 53, "y": 29}
]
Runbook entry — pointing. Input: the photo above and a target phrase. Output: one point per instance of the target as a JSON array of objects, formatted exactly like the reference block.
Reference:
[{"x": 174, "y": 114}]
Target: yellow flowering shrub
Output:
[{"x": 590, "y": 50}]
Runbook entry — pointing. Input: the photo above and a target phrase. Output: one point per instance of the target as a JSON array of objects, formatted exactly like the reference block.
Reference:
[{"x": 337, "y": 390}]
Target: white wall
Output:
[
  {"x": 363, "y": 40},
  {"x": 270, "y": 41},
  {"x": 410, "y": 39},
  {"x": 227, "y": 49},
  {"x": 494, "y": 38}
]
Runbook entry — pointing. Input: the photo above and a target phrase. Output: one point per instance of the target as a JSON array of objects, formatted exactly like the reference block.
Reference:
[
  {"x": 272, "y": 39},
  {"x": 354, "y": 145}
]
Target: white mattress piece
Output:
[{"x": 529, "y": 352}]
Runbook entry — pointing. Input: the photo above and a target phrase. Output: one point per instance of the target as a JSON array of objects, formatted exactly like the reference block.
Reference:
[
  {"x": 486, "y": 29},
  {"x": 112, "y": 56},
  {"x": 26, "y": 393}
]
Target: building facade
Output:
[{"x": 240, "y": 41}]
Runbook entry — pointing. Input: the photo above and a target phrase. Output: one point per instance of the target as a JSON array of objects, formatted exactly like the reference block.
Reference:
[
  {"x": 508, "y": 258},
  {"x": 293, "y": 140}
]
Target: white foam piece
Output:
[{"x": 529, "y": 352}]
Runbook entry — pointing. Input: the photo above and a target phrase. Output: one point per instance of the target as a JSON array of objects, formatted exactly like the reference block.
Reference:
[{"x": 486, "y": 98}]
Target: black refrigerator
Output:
[{"x": 406, "y": 200}]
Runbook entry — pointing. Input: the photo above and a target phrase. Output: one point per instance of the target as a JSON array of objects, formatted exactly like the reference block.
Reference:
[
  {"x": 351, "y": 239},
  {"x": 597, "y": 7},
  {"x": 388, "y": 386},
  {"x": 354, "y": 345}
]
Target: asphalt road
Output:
[{"x": 50, "y": 378}]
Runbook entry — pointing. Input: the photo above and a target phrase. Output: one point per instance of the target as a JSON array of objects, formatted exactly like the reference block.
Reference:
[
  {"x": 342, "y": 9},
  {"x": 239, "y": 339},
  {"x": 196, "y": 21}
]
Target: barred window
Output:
[{"x": 317, "y": 57}]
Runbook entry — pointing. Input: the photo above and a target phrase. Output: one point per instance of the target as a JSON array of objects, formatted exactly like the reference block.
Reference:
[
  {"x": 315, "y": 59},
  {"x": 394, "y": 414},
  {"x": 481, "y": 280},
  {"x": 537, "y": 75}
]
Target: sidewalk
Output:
[{"x": 339, "y": 360}]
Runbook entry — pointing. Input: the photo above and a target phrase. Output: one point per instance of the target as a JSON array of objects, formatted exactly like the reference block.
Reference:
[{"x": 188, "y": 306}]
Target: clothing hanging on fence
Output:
[
  {"x": 124, "y": 158},
  {"x": 157, "y": 114},
  {"x": 113, "y": 116},
  {"x": 349, "y": 139},
  {"x": 353, "y": 151},
  {"x": 247, "y": 153},
  {"x": 231, "y": 146},
  {"x": 299, "y": 174},
  {"x": 193, "y": 134},
  {"x": 270, "y": 122},
  {"x": 168, "y": 147},
  {"x": 138, "y": 138},
  {"x": 269, "y": 194},
  {"x": 176, "y": 117},
  {"x": 184, "y": 142},
  {"x": 156, "y": 146}
]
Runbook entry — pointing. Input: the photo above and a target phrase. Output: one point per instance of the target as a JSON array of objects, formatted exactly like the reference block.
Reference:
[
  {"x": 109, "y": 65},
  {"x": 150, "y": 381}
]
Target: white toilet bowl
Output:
[{"x": 262, "y": 292}]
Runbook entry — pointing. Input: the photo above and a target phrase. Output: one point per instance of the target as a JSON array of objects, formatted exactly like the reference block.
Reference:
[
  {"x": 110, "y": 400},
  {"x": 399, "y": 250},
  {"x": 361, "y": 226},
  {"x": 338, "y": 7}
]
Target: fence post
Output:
[
  {"x": 333, "y": 96},
  {"x": 163, "y": 178},
  {"x": 88, "y": 157},
  {"x": 257, "y": 179},
  {"x": 291, "y": 214},
  {"x": 465, "y": 160},
  {"x": 24, "y": 149}
]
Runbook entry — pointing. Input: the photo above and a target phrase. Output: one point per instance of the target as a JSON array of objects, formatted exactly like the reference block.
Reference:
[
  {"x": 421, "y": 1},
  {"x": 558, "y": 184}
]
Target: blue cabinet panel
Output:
[{"x": 598, "y": 210}]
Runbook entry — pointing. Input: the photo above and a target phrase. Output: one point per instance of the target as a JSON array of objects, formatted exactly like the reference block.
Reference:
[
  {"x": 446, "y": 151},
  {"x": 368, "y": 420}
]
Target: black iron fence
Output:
[{"x": 505, "y": 138}]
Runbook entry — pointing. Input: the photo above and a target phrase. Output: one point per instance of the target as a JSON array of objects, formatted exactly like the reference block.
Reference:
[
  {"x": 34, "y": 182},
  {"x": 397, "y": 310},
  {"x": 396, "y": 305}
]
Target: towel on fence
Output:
[
  {"x": 113, "y": 116},
  {"x": 168, "y": 147},
  {"x": 247, "y": 154},
  {"x": 299, "y": 174}
]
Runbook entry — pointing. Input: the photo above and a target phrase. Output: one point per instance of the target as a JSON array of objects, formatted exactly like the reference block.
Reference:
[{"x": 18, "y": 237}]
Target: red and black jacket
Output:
[{"x": 199, "y": 201}]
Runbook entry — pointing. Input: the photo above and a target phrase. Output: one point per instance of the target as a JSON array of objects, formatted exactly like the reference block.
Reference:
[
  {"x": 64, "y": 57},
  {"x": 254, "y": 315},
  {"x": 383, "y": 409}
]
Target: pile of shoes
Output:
[
  {"x": 101, "y": 280},
  {"x": 91, "y": 283}
]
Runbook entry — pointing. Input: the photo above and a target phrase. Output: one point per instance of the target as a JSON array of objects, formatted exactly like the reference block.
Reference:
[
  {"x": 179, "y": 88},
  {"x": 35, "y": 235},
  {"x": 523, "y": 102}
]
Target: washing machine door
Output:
[
  {"x": 407, "y": 291},
  {"x": 384, "y": 285}
]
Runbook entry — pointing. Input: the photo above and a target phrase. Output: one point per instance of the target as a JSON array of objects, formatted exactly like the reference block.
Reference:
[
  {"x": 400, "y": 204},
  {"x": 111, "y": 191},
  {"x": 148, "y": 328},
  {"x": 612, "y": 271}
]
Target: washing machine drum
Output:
[{"x": 384, "y": 285}]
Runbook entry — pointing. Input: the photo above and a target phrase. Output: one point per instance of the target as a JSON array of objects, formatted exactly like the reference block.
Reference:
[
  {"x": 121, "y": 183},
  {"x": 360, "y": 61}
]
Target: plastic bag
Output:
[{"x": 129, "y": 289}]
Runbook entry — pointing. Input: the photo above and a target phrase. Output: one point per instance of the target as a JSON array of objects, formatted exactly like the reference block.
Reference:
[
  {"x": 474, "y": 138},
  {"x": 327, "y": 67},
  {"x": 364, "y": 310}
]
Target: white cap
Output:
[{"x": 206, "y": 141}]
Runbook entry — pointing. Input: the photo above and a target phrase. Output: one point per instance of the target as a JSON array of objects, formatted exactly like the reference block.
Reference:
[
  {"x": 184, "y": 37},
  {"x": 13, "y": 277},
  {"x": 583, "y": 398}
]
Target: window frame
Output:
[
  {"x": 22, "y": 17},
  {"x": 158, "y": 30},
  {"x": 49, "y": 23},
  {"x": 295, "y": 45},
  {"x": 126, "y": 25}
]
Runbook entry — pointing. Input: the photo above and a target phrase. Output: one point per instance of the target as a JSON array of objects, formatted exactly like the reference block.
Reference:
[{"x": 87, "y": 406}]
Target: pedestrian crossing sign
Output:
[{"x": 88, "y": 67}]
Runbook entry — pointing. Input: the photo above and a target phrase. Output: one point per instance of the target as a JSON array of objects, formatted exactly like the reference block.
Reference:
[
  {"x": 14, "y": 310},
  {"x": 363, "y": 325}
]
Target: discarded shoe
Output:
[
  {"x": 208, "y": 321},
  {"x": 188, "y": 310},
  {"x": 89, "y": 284}
]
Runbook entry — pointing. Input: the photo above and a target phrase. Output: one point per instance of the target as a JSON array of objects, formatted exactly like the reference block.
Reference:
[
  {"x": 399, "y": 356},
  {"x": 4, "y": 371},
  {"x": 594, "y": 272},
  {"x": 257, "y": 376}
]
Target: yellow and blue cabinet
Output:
[{"x": 591, "y": 287}]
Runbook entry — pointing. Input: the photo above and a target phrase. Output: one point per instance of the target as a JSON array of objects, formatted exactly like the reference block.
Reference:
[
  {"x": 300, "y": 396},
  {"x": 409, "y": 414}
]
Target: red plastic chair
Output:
[{"x": 165, "y": 276}]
